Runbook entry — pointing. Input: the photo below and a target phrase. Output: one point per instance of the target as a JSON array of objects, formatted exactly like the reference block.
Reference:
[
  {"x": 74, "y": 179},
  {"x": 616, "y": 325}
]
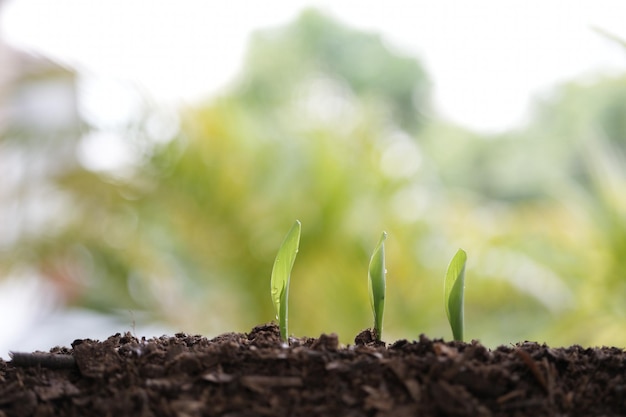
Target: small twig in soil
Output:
[
  {"x": 46, "y": 360},
  {"x": 534, "y": 369}
]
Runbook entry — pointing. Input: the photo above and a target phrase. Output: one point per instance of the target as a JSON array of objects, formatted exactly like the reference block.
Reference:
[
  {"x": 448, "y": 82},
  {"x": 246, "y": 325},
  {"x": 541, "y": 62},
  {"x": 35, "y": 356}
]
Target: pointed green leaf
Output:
[
  {"x": 376, "y": 284},
  {"x": 281, "y": 273},
  {"x": 454, "y": 288}
]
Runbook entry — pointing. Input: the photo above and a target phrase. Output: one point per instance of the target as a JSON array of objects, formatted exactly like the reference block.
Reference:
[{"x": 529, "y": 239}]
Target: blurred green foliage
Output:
[{"x": 333, "y": 126}]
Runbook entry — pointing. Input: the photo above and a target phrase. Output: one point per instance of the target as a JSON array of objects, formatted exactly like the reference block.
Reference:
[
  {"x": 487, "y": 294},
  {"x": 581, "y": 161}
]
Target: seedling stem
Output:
[
  {"x": 376, "y": 284},
  {"x": 454, "y": 288},
  {"x": 281, "y": 274}
]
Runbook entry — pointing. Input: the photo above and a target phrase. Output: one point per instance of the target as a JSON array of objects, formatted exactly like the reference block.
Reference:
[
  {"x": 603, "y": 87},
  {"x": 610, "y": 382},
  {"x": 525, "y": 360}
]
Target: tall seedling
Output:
[
  {"x": 454, "y": 288},
  {"x": 376, "y": 284},
  {"x": 281, "y": 274}
]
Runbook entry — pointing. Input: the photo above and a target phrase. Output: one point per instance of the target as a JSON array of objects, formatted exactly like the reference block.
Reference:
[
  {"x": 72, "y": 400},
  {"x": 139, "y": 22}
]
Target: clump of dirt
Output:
[{"x": 256, "y": 374}]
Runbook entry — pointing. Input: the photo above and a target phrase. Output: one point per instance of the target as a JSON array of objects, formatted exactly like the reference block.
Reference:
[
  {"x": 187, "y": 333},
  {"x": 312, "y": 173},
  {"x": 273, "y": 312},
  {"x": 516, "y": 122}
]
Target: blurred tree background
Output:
[{"x": 335, "y": 127}]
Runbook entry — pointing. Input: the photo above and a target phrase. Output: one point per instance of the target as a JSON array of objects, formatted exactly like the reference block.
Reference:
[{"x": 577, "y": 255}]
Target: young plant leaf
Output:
[
  {"x": 454, "y": 288},
  {"x": 281, "y": 273},
  {"x": 376, "y": 285}
]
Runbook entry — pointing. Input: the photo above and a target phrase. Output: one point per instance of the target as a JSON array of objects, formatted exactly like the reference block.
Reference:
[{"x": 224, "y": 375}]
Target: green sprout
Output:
[
  {"x": 376, "y": 285},
  {"x": 281, "y": 272},
  {"x": 454, "y": 288}
]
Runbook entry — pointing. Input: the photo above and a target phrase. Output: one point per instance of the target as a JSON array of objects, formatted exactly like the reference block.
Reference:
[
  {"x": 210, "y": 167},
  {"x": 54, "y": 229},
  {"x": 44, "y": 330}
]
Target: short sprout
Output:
[
  {"x": 281, "y": 273},
  {"x": 454, "y": 288},
  {"x": 376, "y": 285}
]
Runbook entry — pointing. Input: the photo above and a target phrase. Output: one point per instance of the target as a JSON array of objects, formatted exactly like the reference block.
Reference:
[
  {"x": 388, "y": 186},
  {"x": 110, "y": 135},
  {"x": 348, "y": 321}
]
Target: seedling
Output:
[
  {"x": 454, "y": 288},
  {"x": 376, "y": 285},
  {"x": 281, "y": 273}
]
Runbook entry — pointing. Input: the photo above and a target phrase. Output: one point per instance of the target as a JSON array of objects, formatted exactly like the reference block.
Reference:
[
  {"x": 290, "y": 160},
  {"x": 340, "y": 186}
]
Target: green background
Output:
[{"x": 332, "y": 126}]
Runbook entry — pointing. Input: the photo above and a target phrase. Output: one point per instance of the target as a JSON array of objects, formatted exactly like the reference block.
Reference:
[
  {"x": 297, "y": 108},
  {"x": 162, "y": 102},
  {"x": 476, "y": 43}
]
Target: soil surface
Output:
[{"x": 254, "y": 374}]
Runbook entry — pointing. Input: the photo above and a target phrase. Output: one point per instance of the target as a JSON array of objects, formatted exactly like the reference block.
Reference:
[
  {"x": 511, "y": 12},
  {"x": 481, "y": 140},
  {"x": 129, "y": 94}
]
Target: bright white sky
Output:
[{"x": 487, "y": 57}]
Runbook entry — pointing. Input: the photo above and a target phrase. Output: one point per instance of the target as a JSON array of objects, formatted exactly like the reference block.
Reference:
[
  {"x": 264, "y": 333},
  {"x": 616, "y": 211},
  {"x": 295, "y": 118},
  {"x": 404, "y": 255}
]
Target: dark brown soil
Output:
[{"x": 254, "y": 374}]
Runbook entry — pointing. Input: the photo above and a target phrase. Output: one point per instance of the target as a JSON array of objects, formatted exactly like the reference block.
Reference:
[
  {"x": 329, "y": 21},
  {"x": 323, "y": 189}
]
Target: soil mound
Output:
[{"x": 255, "y": 374}]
